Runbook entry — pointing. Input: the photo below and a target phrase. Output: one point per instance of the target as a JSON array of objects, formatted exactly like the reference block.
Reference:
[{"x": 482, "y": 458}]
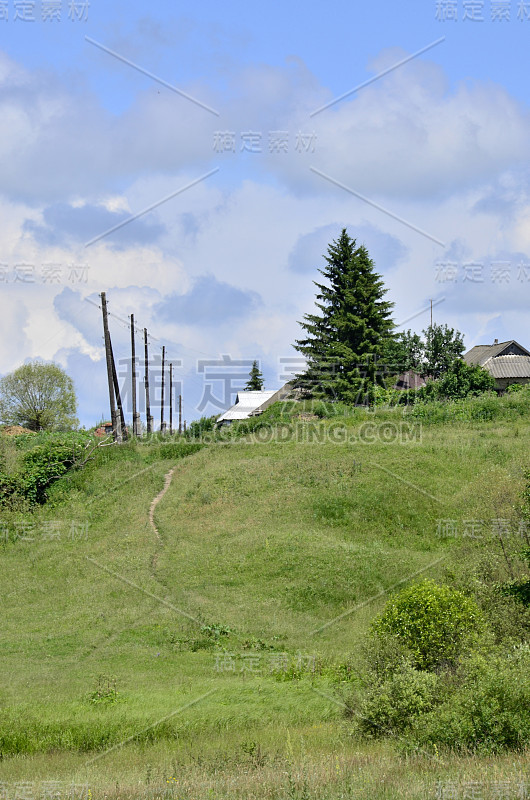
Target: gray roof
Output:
[
  {"x": 508, "y": 366},
  {"x": 482, "y": 352}
]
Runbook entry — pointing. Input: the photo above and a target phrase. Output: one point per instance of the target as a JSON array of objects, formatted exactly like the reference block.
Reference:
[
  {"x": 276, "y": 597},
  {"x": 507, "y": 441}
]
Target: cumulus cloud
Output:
[
  {"x": 58, "y": 143},
  {"x": 14, "y": 343},
  {"x": 64, "y": 223},
  {"x": 307, "y": 254},
  {"x": 209, "y": 303},
  {"x": 497, "y": 283},
  {"x": 406, "y": 135}
]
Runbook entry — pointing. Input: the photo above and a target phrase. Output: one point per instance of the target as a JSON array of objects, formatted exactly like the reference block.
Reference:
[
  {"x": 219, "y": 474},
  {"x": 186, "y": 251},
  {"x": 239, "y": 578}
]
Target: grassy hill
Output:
[{"x": 214, "y": 656}]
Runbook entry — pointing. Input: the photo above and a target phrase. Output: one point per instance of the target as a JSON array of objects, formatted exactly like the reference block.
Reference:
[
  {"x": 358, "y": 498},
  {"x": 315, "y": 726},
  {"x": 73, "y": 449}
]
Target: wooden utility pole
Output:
[
  {"x": 180, "y": 414},
  {"x": 431, "y": 314},
  {"x": 136, "y": 415},
  {"x": 108, "y": 356},
  {"x": 122, "y": 430},
  {"x": 147, "y": 404},
  {"x": 162, "y": 423},
  {"x": 170, "y": 397}
]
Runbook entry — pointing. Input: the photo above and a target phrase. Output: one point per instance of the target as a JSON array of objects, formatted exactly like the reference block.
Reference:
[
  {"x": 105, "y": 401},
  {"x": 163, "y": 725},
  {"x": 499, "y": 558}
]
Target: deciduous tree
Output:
[
  {"x": 39, "y": 397},
  {"x": 443, "y": 345}
]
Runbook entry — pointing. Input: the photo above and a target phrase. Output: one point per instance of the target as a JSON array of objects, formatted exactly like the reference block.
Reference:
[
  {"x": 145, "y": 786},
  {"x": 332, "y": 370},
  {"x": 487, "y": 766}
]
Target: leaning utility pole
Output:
[
  {"x": 170, "y": 397},
  {"x": 108, "y": 357},
  {"x": 122, "y": 430},
  {"x": 136, "y": 415},
  {"x": 147, "y": 404},
  {"x": 162, "y": 423}
]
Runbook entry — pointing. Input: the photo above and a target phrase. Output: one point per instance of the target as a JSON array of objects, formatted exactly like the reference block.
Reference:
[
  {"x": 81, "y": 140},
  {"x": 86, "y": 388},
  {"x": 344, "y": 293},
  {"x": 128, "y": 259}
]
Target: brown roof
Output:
[{"x": 409, "y": 380}]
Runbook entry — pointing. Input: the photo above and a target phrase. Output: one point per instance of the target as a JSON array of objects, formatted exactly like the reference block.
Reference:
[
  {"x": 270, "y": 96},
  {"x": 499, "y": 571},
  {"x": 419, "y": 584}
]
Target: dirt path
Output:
[{"x": 156, "y": 501}]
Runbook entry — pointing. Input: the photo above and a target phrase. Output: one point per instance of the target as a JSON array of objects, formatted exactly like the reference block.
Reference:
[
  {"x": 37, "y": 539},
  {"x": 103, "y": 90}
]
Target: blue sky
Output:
[{"x": 428, "y": 166}]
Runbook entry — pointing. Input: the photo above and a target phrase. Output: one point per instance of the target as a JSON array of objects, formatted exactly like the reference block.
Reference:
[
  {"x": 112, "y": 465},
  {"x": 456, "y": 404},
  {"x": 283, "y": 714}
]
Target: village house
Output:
[
  {"x": 508, "y": 362},
  {"x": 251, "y": 404},
  {"x": 409, "y": 380}
]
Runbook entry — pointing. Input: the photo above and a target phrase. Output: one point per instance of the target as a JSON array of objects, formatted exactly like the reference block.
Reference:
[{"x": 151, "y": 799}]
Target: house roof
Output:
[
  {"x": 246, "y": 404},
  {"x": 409, "y": 380},
  {"x": 482, "y": 352},
  {"x": 508, "y": 366}
]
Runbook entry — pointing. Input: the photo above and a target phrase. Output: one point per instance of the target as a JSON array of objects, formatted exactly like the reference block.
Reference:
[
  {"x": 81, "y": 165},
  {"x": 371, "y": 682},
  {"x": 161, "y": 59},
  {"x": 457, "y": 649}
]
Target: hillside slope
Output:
[{"x": 234, "y": 623}]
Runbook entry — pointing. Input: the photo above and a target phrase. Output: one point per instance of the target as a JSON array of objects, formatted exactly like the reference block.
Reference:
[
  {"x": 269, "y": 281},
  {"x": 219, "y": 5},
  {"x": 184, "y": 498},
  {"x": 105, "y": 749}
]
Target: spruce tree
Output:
[
  {"x": 255, "y": 381},
  {"x": 344, "y": 341}
]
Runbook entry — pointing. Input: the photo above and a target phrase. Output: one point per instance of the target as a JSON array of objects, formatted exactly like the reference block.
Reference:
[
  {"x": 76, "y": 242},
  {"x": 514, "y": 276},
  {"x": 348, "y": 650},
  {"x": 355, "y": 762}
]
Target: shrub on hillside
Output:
[
  {"x": 391, "y": 707},
  {"x": 8, "y": 488},
  {"x": 43, "y": 459},
  {"x": 434, "y": 623},
  {"x": 486, "y": 710},
  {"x": 199, "y": 427},
  {"x": 519, "y": 589},
  {"x": 463, "y": 380},
  {"x": 48, "y": 461}
]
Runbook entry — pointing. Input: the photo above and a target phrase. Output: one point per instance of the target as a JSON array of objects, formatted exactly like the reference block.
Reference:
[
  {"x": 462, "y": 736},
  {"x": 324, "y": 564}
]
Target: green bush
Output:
[
  {"x": 487, "y": 710},
  {"x": 520, "y": 589},
  {"x": 384, "y": 654},
  {"x": 8, "y": 488},
  {"x": 199, "y": 427},
  {"x": 463, "y": 380},
  {"x": 435, "y": 623},
  {"x": 44, "y": 458},
  {"x": 391, "y": 707},
  {"x": 46, "y": 463}
]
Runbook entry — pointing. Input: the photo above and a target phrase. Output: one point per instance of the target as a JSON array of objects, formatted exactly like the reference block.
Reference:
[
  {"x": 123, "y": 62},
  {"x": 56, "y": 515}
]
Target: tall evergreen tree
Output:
[
  {"x": 255, "y": 380},
  {"x": 344, "y": 341}
]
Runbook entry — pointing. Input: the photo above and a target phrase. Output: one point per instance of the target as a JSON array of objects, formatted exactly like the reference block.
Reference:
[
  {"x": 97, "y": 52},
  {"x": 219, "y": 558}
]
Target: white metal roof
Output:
[
  {"x": 509, "y": 366},
  {"x": 246, "y": 403}
]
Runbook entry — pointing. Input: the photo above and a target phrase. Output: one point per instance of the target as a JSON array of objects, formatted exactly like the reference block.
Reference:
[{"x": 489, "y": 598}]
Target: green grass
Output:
[{"x": 261, "y": 547}]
